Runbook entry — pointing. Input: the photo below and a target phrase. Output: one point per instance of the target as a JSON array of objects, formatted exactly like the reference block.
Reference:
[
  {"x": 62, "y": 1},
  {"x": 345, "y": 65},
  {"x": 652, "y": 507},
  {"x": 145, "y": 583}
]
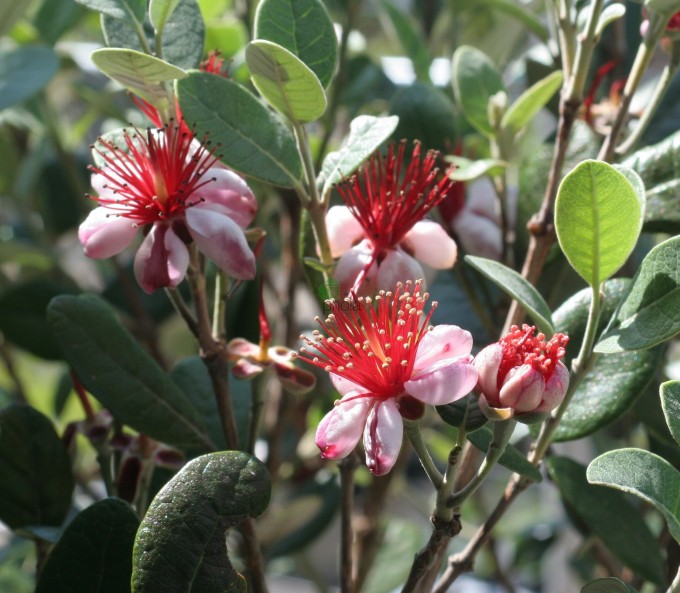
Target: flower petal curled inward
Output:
[
  {"x": 161, "y": 260},
  {"x": 230, "y": 195},
  {"x": 522, "y": 389},
  {"x": 443, "y": 382},
  {"x": 555, "y": 388},
  {"x": 340, "y": 430},
  {"x": 397, "y": 266},
  {"x": 223, "y": 241},
  {"x": 487, "y": 363},
  {"x": 440, "y": 343},
  {"x": 344, "y": 230},
  {"x": 383, "y": 436},
  {"x": 344, "y": 386},
  {"x": 430, "y": 244},
  {"x": 104, "y": 234},
  {"x": 351, "y": 264}
]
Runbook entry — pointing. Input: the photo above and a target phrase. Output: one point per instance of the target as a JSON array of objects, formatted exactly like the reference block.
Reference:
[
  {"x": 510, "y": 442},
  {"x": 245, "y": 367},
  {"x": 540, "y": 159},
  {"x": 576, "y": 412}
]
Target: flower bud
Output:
[{"x": 522, "y": 374}]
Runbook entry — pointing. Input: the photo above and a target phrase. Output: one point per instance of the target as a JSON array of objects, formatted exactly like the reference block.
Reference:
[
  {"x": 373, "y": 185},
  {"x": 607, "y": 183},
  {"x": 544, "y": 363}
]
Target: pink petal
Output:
[
  {"x": 442, "y": 342},
  {"x": 340, "y": 430},
  {"x": 431, "y": 244},
  {"x": 239, "y": 348},
  {"x": 294, "y": 379},
  {"x": 222, "y": 240},
  {"x": 245, "y": 369},
  {"x": 443, "y": 382},
  {"x": 397, "y": 266},
  {"x": 555, "y": 388},
  {"x": 344, "y": 230},
  {"x": 522, "y": 389},
  {"x": 487, "y": 363},
  {"x": 479, "y": 235},
  {"x": 351, "y": 264},
  {"x": 229, "y": 195},
  {"x": 345, "y": 386},
  {"x": 104, "y": 234},
  {"x": 383, "y": 436},
  {"x": 162, "y": 259}
]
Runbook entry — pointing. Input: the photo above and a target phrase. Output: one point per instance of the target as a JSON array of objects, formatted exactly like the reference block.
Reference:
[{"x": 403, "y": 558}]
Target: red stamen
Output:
[{"x": 214, "y": 64}]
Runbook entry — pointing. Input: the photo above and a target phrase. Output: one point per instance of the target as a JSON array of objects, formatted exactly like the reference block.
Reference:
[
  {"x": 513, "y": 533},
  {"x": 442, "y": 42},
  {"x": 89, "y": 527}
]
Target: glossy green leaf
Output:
[
  {"x": 304, "y": 28},
  {"x": 35, "y": 470},
  {"x": 645, "y": 475},
  {"x": 468, "y": 170},
  {"x": 181, "y": 544},
  {"x": 94, "y": 554},
  {"x": 531, "y": 101},
  {"x": 138, "y": 72},
  {"x": 611, "y": 13},
  {"x": 611, "y": 517},
  {"x": 465, "y": 410},
  {"x": 366, "y": 134},
  {"x": 598, "y": 218},
  {"x": 118, "y": 9},
  {"x": 410, "y": 38},
  {"x": 518, "y": 288},
  {"x": 24, "y": 71},
  {"x": 120, "y": 374},
  {"x": 511, "y": 459},
  {"x": 253, "y": 141},
  {"x": 670, "y": 402},
  {"x": 475, "y": 80},
  {"x": 285, "y": 81},
  {"x": 160, "y": 11},
  {"x": 650, "y": 313},
  {"x": 608, "y": 584}
]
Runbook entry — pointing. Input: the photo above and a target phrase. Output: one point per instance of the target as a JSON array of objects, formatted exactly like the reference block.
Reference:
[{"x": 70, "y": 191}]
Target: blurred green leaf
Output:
[
  {"x": 304, "y": 28},
  {"x": 120, "y": 374},
  {"x": 160, "y": 11},
  {"x": 410, "y": 38},
  {"x": 611, "y": 13},
  {"x": 609, "y": 516},
  {"x": 465, "y": 410},
  {"x": 667, "y": 7},
  {"x": 645, "y": 475},
  {"x": 670, "y": 401},
  {"x": 521, "y": 13},
  {"x": 512, "y": 459},
  {"x": 469, "y": 170},
  {"x": 24, "y": 71},
  {"x": 253, "y": 141},
  {"x": 531, "y": 101},
  {"x": 35, "y": 470},
  {"x": 285, "y": 82},
  {"x": 475, "y": 80},
  {"x": 55, "y": 17},
  {"x": 181, "y": 544},
  {"x": 94, "y": 554},
  {"x": 118, "y": 9},
  {"x": 608, "y": 584},
  {"x": 598, "y": 218}
]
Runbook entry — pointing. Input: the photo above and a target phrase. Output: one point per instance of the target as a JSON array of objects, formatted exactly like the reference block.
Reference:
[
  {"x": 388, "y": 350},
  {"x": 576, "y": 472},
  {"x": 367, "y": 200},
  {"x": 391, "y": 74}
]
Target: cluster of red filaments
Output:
[
  {"x": 387, "y": 204},
  {"x": 521, "y": 346},
  {"x": 372, "y": 342},
  {"x": 214, "y": 64},
  {"x": 155, "y": 176}
]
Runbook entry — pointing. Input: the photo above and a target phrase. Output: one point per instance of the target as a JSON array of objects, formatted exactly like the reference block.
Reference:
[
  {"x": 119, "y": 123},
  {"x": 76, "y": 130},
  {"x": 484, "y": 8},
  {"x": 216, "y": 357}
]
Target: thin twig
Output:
[{"x": 348, "y": 467}]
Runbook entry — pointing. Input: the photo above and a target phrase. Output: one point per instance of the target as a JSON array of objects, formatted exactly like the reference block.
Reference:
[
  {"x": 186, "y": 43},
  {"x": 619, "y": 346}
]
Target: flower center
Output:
[
  {"x": 155, "y": 176},
  {"x": 372, "y": 342}
]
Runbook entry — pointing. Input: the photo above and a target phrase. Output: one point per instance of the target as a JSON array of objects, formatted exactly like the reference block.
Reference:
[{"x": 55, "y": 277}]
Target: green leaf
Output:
[
  {"x": 475, "y": 80},
  {"x": 598, "y": 218},
  {"x": 285, "y": 81},
  {"x": 304, "y": 28},
  {"x": 160, "y": 11},
  {"x": 661, "y": 213},
  {"x": 118, "y": 9},
  {"x": 35, "y": 470},
  {"x": 645, "y": 475},
  {"x": 24, "y": 71},
  {"x": 366, "y": 134},
  {"x": 531, "y": 101},
  {"x": 94, "y": 554},
  {"x": 120, "y": 374},
  {"x": 608, "y": 584},
  {"x": 518, "y": 288},
  {"x": 524, "y": 16},
  {"x": 670, "y": 402},
  {"x": 650, "y": 313},
  {"x": 410, "y": 38},
  {"x": 465, "y": 410},
  {"x": 512, "y": 459},
  {"x": 667, "y": 7},
  {"x": 53, "y": 19},
  {"x": 469, "y": 170},
  {"x": 140, "y": 73},
  {"x": 253, "y": 141},
  {"x": 611, "y": 13},
  {"x": 609, "y": 516},
  {"x": 181, "y": 545}
]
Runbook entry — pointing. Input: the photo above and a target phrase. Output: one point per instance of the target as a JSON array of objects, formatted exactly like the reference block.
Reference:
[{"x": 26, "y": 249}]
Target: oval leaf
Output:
[
  {"x": 644, "y": 474},
  {"x": 609, "y": 516},
  {"x": 253, "y": 141},
  {"x": 94, "y": 554},
  {"x": 670, "y": 402},
  {"x": 35, "y": 470},
  {"x": 611, "y": 13},
  {"x": 531, "y": 101},
  {"x": 518, "y": 288},
  {"x": 405, "y": 32},
  {"x": 181, "y": 545},
  {"x": 650, "y": 313},
  {"x": 304, "y": 28},
  {"x": 285, "y": 81},
  {"x": 24, "y": 71},
  {"x": 160, "y": 11},
  {"x": 119, "y": 9},
  {"x": 598, "y": 217},
  {"x": 468, "y": 170},
  {"x": 475, "y": 80},
  {"x": 120, "y": 374}
]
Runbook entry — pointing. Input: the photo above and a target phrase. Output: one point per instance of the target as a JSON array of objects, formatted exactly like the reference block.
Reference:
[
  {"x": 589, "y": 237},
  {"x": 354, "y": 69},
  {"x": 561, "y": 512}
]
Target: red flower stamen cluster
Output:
[
  {"x": 521, "y": 346},
  {"x": 153, "y": 173},
  {"x": 387, "y": 205},
  {"x": 373, "y": 344},
  {"x": 214, "y": 64}
]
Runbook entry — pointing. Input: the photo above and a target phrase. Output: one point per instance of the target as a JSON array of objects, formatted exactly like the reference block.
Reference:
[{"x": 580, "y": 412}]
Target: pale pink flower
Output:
[
  {"x": 522, "y": 374},
  {"x": 173, "y": 189},
  {"x": 380, "y": 235},
  {"x": 477, "y": 226},
  {"x": 386, "y": 362}
]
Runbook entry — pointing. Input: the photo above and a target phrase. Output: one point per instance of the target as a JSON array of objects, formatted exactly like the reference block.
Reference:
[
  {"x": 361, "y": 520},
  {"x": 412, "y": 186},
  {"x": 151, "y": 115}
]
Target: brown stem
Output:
[
  {"x": 253, "y": 557},
  {"x": 348, "y": 467}
]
